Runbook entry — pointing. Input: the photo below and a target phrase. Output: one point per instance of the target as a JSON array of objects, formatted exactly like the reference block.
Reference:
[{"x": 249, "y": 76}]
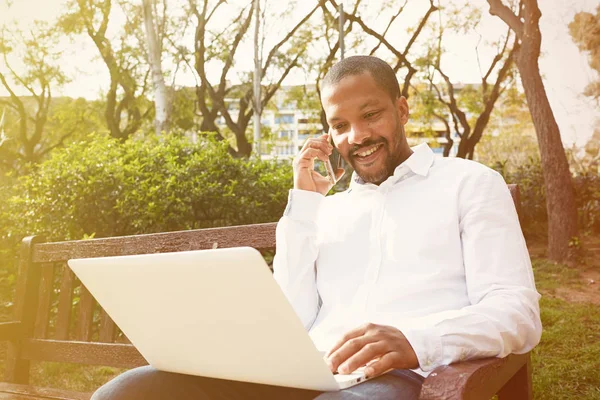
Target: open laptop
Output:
[{"x": 214, "y": 313}]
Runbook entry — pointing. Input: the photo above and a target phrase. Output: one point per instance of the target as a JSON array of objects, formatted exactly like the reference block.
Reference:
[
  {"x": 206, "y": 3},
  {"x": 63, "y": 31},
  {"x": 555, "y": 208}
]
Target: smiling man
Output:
[{"x": 420, "y": 263}]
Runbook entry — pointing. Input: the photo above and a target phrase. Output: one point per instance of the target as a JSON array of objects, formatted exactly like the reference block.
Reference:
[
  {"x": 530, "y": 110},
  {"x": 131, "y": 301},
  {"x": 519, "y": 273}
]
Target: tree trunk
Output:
[
  {"x": 161, "y": 97},
  {"x": 244, "y": 147},
  {"x": 560, "y": 195}
]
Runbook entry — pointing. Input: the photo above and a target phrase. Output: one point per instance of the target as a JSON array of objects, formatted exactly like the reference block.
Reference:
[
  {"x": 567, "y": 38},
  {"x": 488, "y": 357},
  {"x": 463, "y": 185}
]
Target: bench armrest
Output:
[
  {"x": 479, "y": 379},
  {"x": 10, "y": 330}
]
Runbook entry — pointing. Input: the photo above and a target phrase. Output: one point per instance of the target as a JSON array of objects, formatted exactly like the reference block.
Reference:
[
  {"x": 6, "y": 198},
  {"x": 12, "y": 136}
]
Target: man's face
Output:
[{"x": 367, "y": 126}]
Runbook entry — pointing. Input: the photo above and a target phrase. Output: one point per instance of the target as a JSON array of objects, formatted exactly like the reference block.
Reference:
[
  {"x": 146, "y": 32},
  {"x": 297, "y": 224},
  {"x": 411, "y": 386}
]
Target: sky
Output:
[{"x": 564, "y": 68}]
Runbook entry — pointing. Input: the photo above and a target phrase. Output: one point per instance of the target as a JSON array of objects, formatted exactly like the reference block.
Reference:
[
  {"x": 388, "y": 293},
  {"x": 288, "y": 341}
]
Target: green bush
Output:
[
  {"x": 107, "y": 188},
  {"x": 533, "y": 215},
  {"x": 587, "y": 188},
  {"x": 534, "y": 218}
]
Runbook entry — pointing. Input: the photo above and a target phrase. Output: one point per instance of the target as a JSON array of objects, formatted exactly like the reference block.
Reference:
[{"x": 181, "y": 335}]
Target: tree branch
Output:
[
  {"x": 500, "y": 10},
  {"x": 234, "y": 46},
  {"x": 214, "y": 9},
  {"x": 385, "y": 31},
  {"x": 59, "y": 143},
  {"x": 288, "y": 36},
  {"x": 431, "y": 10},
  {"x": 18, "y": 78},
  {"x": 497, "y": 58}
]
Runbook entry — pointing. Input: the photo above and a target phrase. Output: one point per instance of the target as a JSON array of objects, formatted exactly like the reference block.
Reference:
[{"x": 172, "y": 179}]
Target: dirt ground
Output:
[{"x": 588, "y": 268}]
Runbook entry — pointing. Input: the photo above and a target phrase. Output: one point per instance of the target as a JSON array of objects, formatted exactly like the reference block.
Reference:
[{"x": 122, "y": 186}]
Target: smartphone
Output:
[{"x": 334, "y": 162}]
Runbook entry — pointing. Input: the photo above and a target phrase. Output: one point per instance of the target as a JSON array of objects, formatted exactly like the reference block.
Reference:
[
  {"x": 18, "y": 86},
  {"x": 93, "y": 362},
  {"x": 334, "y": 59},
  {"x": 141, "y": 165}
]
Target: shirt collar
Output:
[{"x": 419, "y": 162}]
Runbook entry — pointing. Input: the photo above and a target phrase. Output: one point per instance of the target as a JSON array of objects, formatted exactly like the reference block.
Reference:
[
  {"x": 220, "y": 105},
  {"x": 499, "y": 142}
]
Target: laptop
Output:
[{"x": 213, "y": 313}]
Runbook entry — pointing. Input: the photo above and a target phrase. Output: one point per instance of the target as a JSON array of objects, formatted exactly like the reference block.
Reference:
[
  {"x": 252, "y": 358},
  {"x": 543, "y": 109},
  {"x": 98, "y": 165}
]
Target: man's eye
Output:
[
  {"x": 371, "y": 114},
  {"x": 338, "y": 127}
]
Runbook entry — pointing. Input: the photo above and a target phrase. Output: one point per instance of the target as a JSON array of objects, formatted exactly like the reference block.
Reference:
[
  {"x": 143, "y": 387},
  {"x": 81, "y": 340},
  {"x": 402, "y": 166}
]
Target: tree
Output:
[
  {"x": 380, "y": 43},
  {"x": 25, "y": 138},
  {"x": 161, "y": 97},
  {"x": 471, "y": 111},
  {"x": 126, "y": 105},
  {"x": 560, "y": 195},
  {"x": 220, "y": 48},
  {"x": 585, "y": 31},
  {"x": 512, "y": 142},
  {"x": 425, "y": 110}
]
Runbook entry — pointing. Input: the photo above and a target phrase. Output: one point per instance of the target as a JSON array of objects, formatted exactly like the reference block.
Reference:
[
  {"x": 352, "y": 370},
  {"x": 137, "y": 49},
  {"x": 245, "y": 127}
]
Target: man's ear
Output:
[{"x": 402, "y": 106}]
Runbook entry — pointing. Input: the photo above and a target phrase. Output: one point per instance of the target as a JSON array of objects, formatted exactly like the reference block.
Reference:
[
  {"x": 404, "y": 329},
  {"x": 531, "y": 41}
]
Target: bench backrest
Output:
[{"x": 60, "y": 320}]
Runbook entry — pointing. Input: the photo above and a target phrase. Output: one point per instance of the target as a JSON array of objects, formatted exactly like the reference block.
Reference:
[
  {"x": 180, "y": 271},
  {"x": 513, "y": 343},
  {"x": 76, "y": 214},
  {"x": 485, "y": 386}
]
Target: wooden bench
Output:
[{"x": 50, "y": 326}]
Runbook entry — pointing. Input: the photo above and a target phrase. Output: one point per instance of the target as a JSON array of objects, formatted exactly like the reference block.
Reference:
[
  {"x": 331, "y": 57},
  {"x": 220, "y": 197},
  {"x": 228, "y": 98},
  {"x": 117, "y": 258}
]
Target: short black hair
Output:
[{"x": 381, "y": 72}]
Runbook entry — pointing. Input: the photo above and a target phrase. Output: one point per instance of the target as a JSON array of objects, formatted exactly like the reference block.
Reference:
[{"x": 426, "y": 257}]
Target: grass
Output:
[
  {"x": 565, "y": 364},
  {"x": 567, "y": 360}
]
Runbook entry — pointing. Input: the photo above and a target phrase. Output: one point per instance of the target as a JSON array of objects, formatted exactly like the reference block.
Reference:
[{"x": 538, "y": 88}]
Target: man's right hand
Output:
[{"x": 305, "y": 176}]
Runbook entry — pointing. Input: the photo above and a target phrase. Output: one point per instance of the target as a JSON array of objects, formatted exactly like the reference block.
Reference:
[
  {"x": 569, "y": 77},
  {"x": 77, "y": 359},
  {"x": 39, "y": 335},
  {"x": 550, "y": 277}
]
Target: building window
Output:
[{"x": 284, "y": 119}]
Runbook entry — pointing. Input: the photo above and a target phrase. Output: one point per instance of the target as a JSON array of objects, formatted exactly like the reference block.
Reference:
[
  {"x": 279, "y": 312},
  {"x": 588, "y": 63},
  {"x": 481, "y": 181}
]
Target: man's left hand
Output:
[{"x": 381, "y": 347}]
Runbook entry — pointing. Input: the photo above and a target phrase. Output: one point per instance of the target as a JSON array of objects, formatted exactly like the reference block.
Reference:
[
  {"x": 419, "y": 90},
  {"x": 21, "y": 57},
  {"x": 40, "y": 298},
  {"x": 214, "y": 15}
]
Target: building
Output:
[{"x": 286, "y": 126}]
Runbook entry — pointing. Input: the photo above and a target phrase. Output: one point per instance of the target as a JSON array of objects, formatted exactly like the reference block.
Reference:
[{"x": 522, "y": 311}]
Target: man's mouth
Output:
[{"x": 368, "y": 154}]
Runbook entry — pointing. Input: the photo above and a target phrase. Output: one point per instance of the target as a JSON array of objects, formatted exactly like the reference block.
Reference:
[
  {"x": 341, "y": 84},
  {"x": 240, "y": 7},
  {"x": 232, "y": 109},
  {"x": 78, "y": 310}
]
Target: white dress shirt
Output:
[{"x": 436, "y": 251}]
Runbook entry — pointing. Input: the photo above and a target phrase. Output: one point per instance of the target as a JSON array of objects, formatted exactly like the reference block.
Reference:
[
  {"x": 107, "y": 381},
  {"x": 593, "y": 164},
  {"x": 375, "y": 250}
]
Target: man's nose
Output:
[{"x": 358, "y": 135}]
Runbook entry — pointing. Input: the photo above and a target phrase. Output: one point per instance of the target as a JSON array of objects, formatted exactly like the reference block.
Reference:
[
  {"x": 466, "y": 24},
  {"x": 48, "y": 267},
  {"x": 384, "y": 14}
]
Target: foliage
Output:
[
  {"x": 587, "y": 189},
  {"x": 585, "y": 31},
  {"x": 222, "y": 49},
  {"x": 512, "y": 141},
  {"x": 533, "y": 214},
  {"x": 534, "y": 217},
  {"x": 182, "y": 115},
  {"x": 67, "y": 120},
  {"x": 108, "y": 188},
  {"x": 25, "y": 137},
  {"x": 126, "y": 106},
  {"x": 304, "y": 98}
]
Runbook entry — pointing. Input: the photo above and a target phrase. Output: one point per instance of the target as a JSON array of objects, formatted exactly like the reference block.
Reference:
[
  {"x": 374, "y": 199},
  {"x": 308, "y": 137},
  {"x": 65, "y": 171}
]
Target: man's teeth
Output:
[{"x": 368, "y": 152}]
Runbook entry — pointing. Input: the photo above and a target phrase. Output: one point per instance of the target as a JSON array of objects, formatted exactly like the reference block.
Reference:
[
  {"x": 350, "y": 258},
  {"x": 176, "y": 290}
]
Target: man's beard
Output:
[{"x": 390, "y": 163}]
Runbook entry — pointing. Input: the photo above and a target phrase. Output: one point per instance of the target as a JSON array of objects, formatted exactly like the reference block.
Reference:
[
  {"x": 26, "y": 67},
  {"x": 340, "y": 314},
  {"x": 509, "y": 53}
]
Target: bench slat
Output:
[
  {"x": 13, "y": 396},
  {"x": 259, "y": 236},
  {"x": 65, "y": 304},
  {"x": 18, "y": 392},
  {"x": 43, "y": 312},
  {"x": 106, "y": 354},
  {"x": 107, "y": 328},
  {"x": 85, "y": 315},
  {"x": 11, "y": 330}
]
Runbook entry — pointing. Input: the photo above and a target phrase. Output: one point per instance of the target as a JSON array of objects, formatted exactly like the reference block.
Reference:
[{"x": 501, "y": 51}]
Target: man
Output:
[{"x": 420, "y": 263}]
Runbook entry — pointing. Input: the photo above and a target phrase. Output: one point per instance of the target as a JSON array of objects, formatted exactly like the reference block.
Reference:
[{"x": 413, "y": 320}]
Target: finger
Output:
[
  {"x": 322, "y": 144},
  {"x": 318, "y": 178},
  {"x": 347, "y": 350},
  {"x": 368, "y": 353},
  {"x": 306, "y": 159},
  {"x": 361, "y": 330},
  {"x": 386, "y": 362}
]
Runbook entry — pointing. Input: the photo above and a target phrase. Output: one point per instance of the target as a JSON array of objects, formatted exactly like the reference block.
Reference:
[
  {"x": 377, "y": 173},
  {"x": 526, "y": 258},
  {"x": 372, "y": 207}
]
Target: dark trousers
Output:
[{"x": 147, "y": 383}]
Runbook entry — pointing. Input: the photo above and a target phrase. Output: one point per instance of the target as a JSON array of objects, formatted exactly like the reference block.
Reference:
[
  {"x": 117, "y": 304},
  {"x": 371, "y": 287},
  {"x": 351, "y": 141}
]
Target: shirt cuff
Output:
[
  {"x": 427, "y": 345},
  {"x": 303, "y": 205}
]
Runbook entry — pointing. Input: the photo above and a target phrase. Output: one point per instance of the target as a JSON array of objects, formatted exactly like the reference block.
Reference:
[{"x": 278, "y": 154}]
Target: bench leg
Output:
[{"x": 519, "y": 386}]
